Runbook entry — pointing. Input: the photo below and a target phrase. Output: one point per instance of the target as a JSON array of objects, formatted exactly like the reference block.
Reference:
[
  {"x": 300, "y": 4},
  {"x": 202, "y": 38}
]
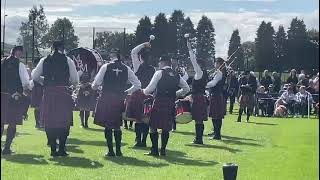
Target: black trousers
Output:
[
  {"x": 232, "y": 101},
  {"x": 57, "y": 133}
]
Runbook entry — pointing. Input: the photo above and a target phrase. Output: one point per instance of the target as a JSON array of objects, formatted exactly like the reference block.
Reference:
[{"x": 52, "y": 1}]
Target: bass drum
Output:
[{"x": 183, "y": 112}]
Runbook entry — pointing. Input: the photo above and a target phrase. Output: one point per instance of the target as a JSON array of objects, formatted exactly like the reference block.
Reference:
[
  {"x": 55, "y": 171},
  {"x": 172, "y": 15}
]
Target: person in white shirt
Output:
[
  {"x": 166, "y": 85},
  {"x": 199, "y": 108},
  {"x": 14, "y": 84},
  {"x": 140, "y": 56},
  {"x": 113, "y": 78},
  {"x": 288, "y": 99},
  {"x": 58, "y": 72},
  {"x": 303, "y": 97},
  {"x": 217, "y": 99}
]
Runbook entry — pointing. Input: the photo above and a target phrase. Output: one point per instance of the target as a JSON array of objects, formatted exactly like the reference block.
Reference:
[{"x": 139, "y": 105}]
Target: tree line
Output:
[{"x": 278, "y": 50}]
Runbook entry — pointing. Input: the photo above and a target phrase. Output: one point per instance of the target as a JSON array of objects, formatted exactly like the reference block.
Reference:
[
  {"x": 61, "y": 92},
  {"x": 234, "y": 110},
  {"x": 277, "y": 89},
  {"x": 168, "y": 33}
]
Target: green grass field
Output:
[{"x": 265, "y": 149}]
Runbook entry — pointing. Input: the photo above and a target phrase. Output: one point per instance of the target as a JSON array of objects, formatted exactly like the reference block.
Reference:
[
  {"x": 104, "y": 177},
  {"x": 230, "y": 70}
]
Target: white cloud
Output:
[{"x": 252, "y": 0}]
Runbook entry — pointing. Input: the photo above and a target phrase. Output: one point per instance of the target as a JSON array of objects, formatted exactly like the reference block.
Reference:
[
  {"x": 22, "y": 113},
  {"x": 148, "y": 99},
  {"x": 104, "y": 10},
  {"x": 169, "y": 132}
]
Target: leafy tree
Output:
[
  {"x": 234, "y": 44},
  {"x": 61, "y": 29},
  {"x": 265, "y": 47},
  {"x": 281, "y": 49},
  {"x": 249, "y": 54},
  {"x": 144, "y": 30},
  {"x": 160, "y": 44},
  {"x": 205, "y": 42},
  {"x": 36, "y": 18}
]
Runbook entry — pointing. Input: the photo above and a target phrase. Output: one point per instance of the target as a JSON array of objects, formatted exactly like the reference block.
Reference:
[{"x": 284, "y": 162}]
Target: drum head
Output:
[{"x": 183, "y": 118}]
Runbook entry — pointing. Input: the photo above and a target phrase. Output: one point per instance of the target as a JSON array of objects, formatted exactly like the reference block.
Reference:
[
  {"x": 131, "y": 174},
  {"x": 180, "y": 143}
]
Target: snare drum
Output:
[{"x": 183, "y": 112}]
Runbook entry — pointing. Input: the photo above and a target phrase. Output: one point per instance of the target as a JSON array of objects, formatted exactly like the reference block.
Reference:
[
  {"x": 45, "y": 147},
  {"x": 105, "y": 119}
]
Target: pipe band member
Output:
[
  {"x": 166, "y": 84},
  {"x": 113, "y": 77},
  {"x": 59, "y": 72},
  {"x": 217, "y": 99},
  {"x": 14, "y": 83},
  {"x": 199, "y": 107},
  {"x": 140, "y": 56}
]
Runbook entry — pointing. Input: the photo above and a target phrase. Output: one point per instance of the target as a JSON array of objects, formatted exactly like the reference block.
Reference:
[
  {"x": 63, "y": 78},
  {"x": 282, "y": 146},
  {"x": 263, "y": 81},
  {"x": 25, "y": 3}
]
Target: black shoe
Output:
[
  {"x": 110, "y": 154},
  {"x": 62, "y": 153},
  {"x": 7, "y": 151},
  {"x": 143, "y": 144},
  {"x": 118, "y": 152},
  {"x": 54, "y": 154},
  {"x": 153, "y": 153},
  {"x": 163, "y": 152},
  {"x": 195, "y": 141},
  {"x": 217, "y": 137},
  {"x": 239, "y": 120},
  {"x": 138, "y": 145},
  {"x": 86, "y": 126}
]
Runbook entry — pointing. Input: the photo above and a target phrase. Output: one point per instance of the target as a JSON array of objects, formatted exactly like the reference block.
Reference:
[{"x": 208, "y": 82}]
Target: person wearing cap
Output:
[
  {"x": 248, "y": 87},
  {"x": 199, "y": 107},
  {"x": 217, "y": 99},
  {"x": 113, "y": 78},
  {"x": 14, "y": 84},
  {"x": 58, "y": 72},
  {"x": 166, "y": 84},
  {"x": 140, "y": 56}
]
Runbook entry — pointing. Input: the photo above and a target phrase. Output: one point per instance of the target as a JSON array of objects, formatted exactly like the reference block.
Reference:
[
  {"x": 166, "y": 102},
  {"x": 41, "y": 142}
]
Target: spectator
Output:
[
  {"x": 276, "y": 82},
  {"x": 266, "y": 79},
  {"x": 311, "y": 87},
  {"x": 292, "y": 79},
  {"x": 288, "y": 99},
  {"x": 316, "y": 84},
  {"x": 303, "y": 81},
  {"x": 233, "y": 87},
  {"x": 302, "y": 101}
]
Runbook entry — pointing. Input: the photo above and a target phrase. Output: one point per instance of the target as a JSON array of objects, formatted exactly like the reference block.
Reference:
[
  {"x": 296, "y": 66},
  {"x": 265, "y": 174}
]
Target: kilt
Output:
[
  {"x": 135, "y": 105},
  {"x": 86, "y": 103},
  {"x": 13, "y": 111},
  {"x": 217, "y": 106},
  {"x": 36, "y": 96},
  {"x": 246, "y": 101},
  {"x": 109, "y": 110},
  {"x": 162, "y": 113},
  {"x": 56, "y": 107},
  {"x": 199, "y": 108}
]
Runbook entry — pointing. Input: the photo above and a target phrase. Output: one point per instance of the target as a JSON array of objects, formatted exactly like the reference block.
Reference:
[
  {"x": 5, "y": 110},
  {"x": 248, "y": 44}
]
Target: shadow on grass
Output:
[
  {"x": 25, "y": 159},
  {"x": 74, "y": 149},
  {"x": 77, "y": 162},
  {"x": 94, "y": 129},
  {"x": 75, "y": 141},
  {"x": 236, "y": 142},
  {"x": 131, "y": 161},
  {"x": 237, "y": 138},
  {"x": 180, "y": 158},
  {"x": 232, "y": 150},
  {"x": 261, "y": 123}
]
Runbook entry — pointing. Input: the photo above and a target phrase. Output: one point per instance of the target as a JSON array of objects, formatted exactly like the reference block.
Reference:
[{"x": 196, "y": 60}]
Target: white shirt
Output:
[
  {"x": 185, "y": 74},
  {"x": 136, "y": 62},
  {"x": 24, "y": 76},
  {"x": 133, "y": 79},
  {"x": 156, "y": 78},
  {"x": 196, "y": 67},
  {"x": 37, "y": 72},
  {"x": 215, "y": 80}
]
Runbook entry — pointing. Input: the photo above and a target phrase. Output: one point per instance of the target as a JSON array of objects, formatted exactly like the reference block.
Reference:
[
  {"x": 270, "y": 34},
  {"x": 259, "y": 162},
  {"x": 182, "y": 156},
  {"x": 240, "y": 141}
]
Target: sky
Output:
[{"x": 115, "y": 15}]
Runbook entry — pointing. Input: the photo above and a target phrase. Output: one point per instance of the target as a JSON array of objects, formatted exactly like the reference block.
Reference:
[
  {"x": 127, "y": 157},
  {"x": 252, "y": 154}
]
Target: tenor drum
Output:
[{"x": 183, "y": 112}]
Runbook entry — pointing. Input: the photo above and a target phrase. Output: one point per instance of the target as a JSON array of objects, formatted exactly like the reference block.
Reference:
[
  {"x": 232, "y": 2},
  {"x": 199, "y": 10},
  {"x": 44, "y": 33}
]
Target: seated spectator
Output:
[
  {"x": 302, "y": 101},
  {"x": 266, "y": 80},
  {"x": 316, "y": 84},
  {"x": 288, "y": 99},
  {"x": 276, "y": 81},
  {"x": 264, "y": 102},
  {"x": 293, "y": 79},
  {"x": 311, "y": 87},
  {"x": 303, "y": 81}
]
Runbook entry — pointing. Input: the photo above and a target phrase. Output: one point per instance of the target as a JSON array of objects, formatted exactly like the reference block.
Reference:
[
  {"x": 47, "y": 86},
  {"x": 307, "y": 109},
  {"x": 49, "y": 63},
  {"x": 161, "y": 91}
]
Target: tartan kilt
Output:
[
  {"x": 86, "y": 103},
  {"x": 56, "y": 107},
  {"x": 13, "y": 111},
  {"x": 36, "y": 96},
  {"x": 199, "y": 108},
  {"x": 162, "y": 113},
  {"x": 109, "y": 110},
  {"x": 135, "y": 105},
  {"x": 247, "y": 101},
  {"x": 217, "y": 106}
]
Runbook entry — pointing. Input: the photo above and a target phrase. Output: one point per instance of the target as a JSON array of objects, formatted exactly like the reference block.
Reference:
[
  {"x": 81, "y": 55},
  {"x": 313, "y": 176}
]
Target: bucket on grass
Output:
[{"x": 230, "y": 171}]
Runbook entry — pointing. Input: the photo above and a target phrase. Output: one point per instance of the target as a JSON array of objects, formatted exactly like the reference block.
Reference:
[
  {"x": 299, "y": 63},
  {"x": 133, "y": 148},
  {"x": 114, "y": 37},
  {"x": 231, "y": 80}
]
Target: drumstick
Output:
[{"x": 151, "y": 38}]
